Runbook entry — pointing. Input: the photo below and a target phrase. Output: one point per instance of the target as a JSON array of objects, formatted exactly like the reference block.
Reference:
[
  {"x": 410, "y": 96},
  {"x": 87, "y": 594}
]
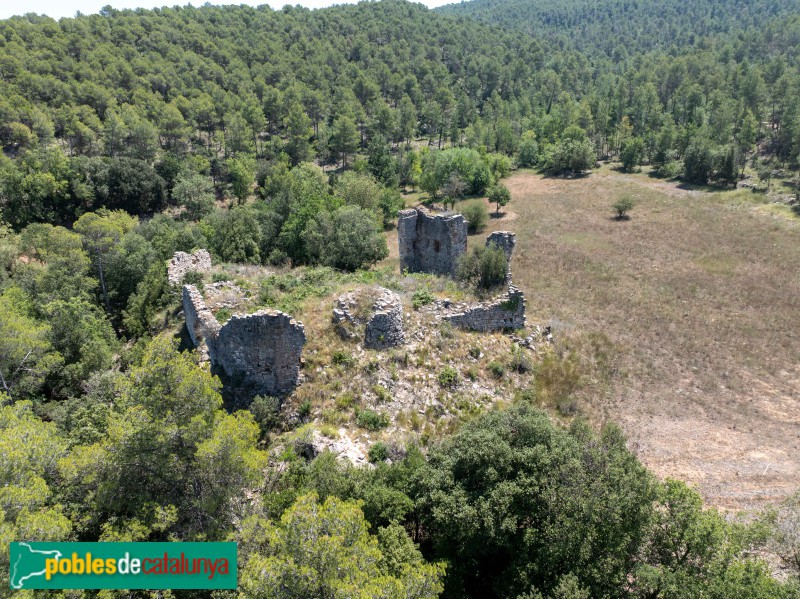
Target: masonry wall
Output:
[
  {"x": 181, "y": 263},
  {"x": 203, "y": 327},
  {"x": 431, "y": 243},
  {"x": 504, "y": 312},
  {"x": 261, "y": 352},
  {"x": 258, "y": 353}
]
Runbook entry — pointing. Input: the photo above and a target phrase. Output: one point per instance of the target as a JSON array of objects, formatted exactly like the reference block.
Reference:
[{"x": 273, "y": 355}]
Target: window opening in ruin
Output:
[{"x": 436, "y": 246}]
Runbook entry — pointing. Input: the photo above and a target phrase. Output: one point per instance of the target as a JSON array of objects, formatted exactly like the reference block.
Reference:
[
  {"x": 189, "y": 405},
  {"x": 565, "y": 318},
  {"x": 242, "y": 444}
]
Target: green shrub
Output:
[
  {"x": 220, "y": 277},
  {"x": 622, "y": 206},
  {"x": 496, "y": 368},
  {"x": 520, "y": 360},
  {"x": 475, "y": 352},
  {"x": 304, "y": 410},
  {"x": 223, "y": 315},
  {"x": 422, "y": 297},
  {"x": 379, "y": 452},
  {"x": 484, "y": 267},
  {"x": 477, "y": 215},
  {"x": 382, "y": 393},
  {"x": 448, "y": 377},
  {"x": 266, "y": 412},
  {"x": 345, "y": 401},
  {"x": 371, "y": 420},
  {"x": 195, "y": 278},
  {"x": 341, "y": 358}
]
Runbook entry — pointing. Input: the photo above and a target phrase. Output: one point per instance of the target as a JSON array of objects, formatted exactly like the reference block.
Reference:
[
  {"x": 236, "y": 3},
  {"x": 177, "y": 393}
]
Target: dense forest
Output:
[{"x": 286, "y": 138}]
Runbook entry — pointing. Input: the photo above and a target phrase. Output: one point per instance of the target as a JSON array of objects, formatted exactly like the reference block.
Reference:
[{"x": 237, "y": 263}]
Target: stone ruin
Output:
[
  {"x": 374, "y": 314},
  {"x": 504, "y": 312},
  {"x": 182, "y": 263},
  {"x": 431, "y": 243},
  {"x": 258, "y": 354},
  {"x": 506, "y": 241}
]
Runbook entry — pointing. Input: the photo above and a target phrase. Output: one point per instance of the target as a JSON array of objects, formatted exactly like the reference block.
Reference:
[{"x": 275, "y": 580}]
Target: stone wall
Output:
[
  {"x": 431, "y": 243},
  {"x": 375, "y": 313},
  {"x": 504, "y": 312},
  {"x": 258, "y": 353},
  {"x": 506, "y": 241},
  {"x": 181, "y": 263},
  {"x": 261, "y": 352},
  {"x": 200, "y": 322}
]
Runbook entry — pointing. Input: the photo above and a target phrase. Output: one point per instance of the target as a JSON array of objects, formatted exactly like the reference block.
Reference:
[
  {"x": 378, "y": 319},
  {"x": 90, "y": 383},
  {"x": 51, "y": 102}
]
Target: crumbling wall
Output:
[
  {"x": 200, "y": 322},
  {"x": 506, "y": 241},
  {"x": 181, "y": 263},
  {"x": 261, "y": 352},
  {"x": 258, "y": 353},
  {"x": 504, "y": 312},
  {"x": 377, "y": 313},
  {"x": 431, "y": 243}
]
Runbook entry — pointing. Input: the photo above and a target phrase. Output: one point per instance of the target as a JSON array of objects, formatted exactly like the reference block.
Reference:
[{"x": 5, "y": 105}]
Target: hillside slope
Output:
[{"x": 627, "y": 26}]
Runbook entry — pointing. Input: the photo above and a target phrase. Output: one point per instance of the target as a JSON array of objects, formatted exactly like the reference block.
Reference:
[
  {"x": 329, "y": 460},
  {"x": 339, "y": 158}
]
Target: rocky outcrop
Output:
[
  {"x": 431, "y": 243},
  {"x": 181, "y": 263},
  {"x": 258, "y": 353},
  {"x": 372, "y": 314},
  {"x": 504, "y": 312}
]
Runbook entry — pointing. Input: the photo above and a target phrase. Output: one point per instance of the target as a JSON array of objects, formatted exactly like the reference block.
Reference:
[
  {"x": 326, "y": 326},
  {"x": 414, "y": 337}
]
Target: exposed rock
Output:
[
  {"x": 431, "y": 243},
  {"x": 181, "y": 263},
  {"x": 344, "y": 448},
  {"x": 374, "y": 314}
]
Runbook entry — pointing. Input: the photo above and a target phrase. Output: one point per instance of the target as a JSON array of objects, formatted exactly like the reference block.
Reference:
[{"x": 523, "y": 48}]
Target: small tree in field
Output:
[
  {"x": 499, "y": 195},
  {"x": 622, "y": 206}
]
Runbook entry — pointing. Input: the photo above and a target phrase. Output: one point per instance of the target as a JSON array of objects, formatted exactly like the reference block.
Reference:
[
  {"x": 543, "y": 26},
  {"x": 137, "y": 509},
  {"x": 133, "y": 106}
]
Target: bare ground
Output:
[{"x": 699, "y": 294}]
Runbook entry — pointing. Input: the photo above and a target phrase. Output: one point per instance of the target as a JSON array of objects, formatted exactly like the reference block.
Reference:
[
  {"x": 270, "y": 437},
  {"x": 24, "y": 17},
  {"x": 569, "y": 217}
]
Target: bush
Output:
[
  {"x": 484, "y": 267},
  {"x": 570, "y": 156},
  {"x": 422, "y": 297},
  {"x": 304, "y": 410},
  {"x": 371, "y": 420},
  {"x": 193, "y": 277},
  {"x": 348, "y": 239},
  {"x": 477, "y": 215},
  {"x": 448, "y": 377},
  {"x": 632, "y": 154},
  {"x": 528, "y": 153},
  {"x": 520, "y": 361},
  {"x": 378, "y": 452},
  {"x": 342, "y": 358},
  {"x": 496, "y": 368},
  {"x": 266, "y": 412},
  {"x": 622, "y": 206}
]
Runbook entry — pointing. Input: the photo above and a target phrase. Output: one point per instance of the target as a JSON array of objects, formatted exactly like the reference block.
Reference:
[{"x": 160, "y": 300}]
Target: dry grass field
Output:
[{"x": 698, "y": 295}]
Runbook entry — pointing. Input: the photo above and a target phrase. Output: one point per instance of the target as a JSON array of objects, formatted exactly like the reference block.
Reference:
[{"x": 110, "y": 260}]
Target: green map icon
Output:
[{"x": 28, "y": 563}]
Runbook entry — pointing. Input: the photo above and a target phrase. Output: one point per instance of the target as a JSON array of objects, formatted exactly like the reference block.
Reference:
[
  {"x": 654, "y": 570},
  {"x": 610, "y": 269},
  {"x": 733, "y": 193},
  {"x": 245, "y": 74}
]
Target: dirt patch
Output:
[{"x": 696, "y": 295}]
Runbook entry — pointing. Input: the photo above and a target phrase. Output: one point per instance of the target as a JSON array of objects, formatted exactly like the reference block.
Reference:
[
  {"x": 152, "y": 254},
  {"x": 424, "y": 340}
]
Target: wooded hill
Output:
[{"x": 691, "y": 90}]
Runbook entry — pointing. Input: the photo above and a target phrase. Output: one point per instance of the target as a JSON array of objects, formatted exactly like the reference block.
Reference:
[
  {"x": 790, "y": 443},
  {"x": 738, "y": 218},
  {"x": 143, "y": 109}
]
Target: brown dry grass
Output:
[{"x": 699, "y": 294}]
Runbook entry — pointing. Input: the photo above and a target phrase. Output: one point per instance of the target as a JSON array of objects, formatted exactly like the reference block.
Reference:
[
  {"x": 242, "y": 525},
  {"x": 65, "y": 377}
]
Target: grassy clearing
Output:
[{"x": 697, "y": 300}]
